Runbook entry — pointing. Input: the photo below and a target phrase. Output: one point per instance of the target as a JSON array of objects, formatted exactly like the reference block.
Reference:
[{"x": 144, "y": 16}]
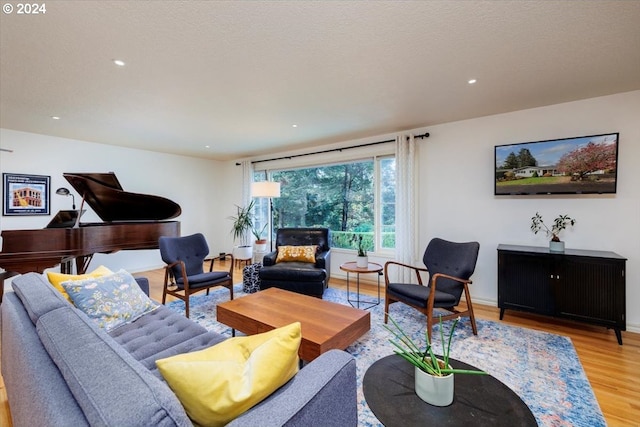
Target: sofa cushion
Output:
[
  {"x": 37, "y": 295},
  {"x": 56, "y": 279},
  {"x": 297, "y": 253},
  {"x": 111, "y": 387},
  {"x": 217, "y": 384},
  {"x": 295, "y": 271},
  {"x": 160, "y": 334},
  {"x": 37, "y": 393},
  {"x": 111, "y": 300}
]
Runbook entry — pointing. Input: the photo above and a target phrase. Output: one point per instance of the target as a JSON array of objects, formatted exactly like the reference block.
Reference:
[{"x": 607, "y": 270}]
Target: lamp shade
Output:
[
  {"x": 265, "y": 189},
  {"x": 63, "y": 191}
]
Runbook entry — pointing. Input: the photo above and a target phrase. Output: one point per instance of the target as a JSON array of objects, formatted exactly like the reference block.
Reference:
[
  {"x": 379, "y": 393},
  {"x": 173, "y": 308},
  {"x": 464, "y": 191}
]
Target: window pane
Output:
[{"x": 339, "y": 197}]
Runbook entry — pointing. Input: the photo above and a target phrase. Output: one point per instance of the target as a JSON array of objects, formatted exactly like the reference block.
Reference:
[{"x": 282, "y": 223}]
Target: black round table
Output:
[{"x": 478, "y": 400}]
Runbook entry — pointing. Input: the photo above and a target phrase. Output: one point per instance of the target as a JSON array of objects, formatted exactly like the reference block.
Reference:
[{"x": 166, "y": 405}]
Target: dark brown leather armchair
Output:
[{"x": 302, "y": 277}]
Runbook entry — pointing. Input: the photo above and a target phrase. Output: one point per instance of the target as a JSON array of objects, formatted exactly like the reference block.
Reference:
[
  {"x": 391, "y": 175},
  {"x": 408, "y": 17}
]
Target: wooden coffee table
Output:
[{"x": 325, "y": 325}]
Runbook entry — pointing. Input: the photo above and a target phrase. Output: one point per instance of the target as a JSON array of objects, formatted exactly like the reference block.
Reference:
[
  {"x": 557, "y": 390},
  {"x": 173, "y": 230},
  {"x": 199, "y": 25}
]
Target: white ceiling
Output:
[{"x": 236, "y": 75}]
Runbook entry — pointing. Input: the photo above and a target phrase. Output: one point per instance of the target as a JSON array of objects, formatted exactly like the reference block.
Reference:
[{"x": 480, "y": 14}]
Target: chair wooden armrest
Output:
[
  {"x": 221, "y": 258},
  {"x": 446, "y": 276},
  {"x": 169, "y": 274},
  {"x": 454, "y": 313},
  {"x": 416, "y": 269}
]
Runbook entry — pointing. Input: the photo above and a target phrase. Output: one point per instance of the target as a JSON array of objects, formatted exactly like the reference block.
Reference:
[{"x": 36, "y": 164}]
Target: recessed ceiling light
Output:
[
  {"x": 294, "y": 126},
  {"x": 472, "y": 81},
  {"x": 206, "y": 146},
  {"x": 119, "y": 62},
  {"x": 55, "y": 117}
]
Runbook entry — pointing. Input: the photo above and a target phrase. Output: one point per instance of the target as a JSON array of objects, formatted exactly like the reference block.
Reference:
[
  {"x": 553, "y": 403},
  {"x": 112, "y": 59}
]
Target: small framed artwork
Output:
[{"x": 25, "y": 194}]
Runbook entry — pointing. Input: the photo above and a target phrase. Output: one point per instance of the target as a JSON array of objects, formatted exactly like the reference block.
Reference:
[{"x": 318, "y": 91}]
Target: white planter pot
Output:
[
  {"x": 362, "y": 262},
  {"x": 437, "y": 391},
  {"x": 261, "y": 247},
  {"x": 556, "y": 246},
  {"x": 242, "y": 252}
]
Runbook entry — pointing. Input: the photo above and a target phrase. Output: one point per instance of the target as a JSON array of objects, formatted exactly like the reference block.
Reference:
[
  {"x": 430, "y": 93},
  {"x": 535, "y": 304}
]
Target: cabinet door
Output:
[
  {"x": 591, "y": 290},
  {"x": 524, "y": 282}
]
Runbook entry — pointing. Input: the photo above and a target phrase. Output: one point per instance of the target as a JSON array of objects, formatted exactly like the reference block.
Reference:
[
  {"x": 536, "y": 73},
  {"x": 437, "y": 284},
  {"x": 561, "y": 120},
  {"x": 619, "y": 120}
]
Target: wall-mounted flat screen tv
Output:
[{"x": 580, "y": 165}]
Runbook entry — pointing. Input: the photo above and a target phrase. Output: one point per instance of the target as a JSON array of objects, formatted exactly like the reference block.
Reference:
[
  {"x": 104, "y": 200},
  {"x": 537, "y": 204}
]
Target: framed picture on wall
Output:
[{"x": 25, "y": 194}]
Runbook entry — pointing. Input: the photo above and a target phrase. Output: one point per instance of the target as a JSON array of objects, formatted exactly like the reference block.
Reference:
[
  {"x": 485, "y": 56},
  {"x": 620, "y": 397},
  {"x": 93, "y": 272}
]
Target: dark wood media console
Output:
[{"x": 587, "y": 286}]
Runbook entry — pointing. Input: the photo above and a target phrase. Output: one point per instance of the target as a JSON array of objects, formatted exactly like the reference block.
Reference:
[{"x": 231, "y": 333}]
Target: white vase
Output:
[
  {"x": 437, "y": 391},
  {"x": 362, "y": 262},
  {"x": 556, "y": 246},
  {"x": 243, "y": 252}
]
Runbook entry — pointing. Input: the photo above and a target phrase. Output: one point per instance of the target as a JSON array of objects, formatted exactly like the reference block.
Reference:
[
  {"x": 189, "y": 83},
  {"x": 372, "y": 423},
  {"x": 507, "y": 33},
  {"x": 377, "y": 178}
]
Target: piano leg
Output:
[
  {"x": 66, "y": 265},
  {"x": 82, "y": 263}
]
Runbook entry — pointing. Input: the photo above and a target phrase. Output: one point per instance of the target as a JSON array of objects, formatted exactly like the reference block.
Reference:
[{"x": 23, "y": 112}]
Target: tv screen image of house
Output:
[{"x": 579, "y": 165}]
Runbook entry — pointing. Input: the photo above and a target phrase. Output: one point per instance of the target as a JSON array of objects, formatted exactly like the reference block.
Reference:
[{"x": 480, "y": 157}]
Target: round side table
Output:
[
  {"x": 352, "y": 267},
  {"x": 478, "y": 400}
]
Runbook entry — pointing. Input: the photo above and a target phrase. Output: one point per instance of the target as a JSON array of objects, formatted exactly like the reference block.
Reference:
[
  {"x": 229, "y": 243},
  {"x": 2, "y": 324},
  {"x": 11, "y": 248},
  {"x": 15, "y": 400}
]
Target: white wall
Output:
[
  {"x": 455, "y": 184},
  {"x": 456, "y": 188},
  {"x": 192, "y": 183}
]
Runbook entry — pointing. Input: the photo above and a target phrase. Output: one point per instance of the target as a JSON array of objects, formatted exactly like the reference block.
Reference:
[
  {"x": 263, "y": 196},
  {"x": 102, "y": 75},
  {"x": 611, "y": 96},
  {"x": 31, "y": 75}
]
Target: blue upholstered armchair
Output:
[
  {"x": 449, "y": 266},
  {"x": 184, "y": 272}
]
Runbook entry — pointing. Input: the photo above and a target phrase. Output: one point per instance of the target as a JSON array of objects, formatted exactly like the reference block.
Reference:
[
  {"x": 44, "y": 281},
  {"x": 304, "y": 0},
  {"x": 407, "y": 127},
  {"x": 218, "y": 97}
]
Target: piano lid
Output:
[{"x": 103, "y": 192}]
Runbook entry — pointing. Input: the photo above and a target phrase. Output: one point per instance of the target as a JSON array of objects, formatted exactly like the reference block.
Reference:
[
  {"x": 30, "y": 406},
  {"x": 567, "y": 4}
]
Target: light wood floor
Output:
[{"x": 612, "y": 370}]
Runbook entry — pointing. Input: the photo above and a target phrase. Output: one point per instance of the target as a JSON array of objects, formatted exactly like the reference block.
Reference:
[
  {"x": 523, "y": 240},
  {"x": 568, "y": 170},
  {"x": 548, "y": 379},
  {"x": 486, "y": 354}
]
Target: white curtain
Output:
[
  {"x": 247, "y": 179},
  {"x": 406, "y": 224}
]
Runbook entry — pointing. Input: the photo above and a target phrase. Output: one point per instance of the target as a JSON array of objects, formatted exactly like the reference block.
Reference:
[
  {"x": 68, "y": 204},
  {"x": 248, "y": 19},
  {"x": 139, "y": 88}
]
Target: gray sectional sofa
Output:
[{"x": 61, "y": 370}]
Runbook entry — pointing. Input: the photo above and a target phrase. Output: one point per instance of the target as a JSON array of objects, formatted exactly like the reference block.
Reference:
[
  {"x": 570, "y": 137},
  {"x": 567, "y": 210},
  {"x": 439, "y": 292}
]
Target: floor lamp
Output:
[{"x": 268, "y": 189}]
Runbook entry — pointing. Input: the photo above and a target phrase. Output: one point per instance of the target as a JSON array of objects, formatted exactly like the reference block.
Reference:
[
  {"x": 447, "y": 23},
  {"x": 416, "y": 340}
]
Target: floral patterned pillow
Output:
[
  {"x": 110, "y": 301},
  {"x": 297, "y": 253}
]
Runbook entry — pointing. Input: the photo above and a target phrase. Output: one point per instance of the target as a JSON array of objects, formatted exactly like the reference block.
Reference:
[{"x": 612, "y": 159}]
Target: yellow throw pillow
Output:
[
  {"x": 219, "y": 383},
  {"x": 297, "y": 253},
  {"x": 56, "y": 279}
]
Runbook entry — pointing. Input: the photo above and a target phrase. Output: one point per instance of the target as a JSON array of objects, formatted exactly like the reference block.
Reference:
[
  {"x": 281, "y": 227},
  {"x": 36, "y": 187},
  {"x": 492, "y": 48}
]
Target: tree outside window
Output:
[{"x": 340, "y": 197}]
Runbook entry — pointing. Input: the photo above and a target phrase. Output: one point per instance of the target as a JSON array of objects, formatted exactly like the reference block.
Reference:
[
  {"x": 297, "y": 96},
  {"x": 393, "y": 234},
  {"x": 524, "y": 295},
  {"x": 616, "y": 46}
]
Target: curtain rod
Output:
[{"x": 424, "y": 135}]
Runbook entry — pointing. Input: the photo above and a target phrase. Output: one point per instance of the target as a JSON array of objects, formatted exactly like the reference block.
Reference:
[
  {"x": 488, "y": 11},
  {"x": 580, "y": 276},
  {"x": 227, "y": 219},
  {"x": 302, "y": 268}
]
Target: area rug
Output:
[{"x": 542, "y": 368}]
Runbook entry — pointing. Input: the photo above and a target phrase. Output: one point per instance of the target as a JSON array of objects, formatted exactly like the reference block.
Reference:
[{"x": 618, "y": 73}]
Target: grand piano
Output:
[{"x": 131, "y": 221}]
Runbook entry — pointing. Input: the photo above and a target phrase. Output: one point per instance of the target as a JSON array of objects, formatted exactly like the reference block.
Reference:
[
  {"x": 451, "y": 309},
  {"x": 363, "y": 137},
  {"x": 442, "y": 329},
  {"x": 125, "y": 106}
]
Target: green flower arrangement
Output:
[
  {"x": 559, "y": 224},
  {"x": 426, "y": 360}
]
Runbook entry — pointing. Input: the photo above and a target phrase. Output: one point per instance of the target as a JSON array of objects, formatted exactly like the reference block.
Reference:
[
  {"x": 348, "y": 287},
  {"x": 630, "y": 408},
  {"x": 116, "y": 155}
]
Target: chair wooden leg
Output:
[
  {"x": 429, "y": 324},
  {"x": 472, "y": 317},
  {"x": 386, "y": 309},
  {"x": 470, "y": 310},
  {"x": 186, "y": 306}
]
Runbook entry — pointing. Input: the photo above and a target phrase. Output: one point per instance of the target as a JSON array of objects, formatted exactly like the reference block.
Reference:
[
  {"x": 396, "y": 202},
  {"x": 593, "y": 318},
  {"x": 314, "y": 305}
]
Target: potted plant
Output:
[
  {"x": 559, "y": 224},
  {"x": 362, "y": 261},
  {"x": 433, "y": 374},
  {"x": 261, "y": 243},
  {"x": 242, "y": 225}
]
